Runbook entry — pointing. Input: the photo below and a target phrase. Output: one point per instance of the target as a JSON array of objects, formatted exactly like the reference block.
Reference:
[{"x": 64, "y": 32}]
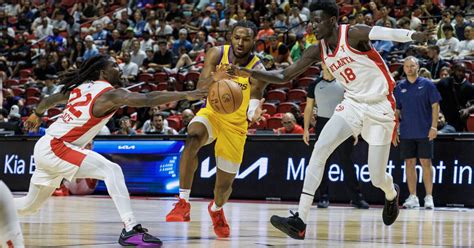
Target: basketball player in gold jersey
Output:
[{"x": 230, "y": 130}]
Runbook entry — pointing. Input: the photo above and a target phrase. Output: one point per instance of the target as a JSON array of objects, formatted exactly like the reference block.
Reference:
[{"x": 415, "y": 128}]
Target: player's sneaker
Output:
[
  {"x": 180, "y": 212},
  {"x": 221, "y": 228},
  {"x": 429, "y": 202},
  {"x": 139, "y": 237},
  {"x": 360, "y": 204},
  {"x": 323, "y": 202},
  {"x": 293, "y": 226},
  {"x": 390, "y": 209},
  {"x": 411, "y": 202}
]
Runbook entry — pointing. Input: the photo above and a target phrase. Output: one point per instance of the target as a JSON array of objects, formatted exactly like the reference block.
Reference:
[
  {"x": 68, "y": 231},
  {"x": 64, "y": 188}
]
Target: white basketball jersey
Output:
[
  {"x": 364, "y": 75},
  {"x": 77, "y": 125}
]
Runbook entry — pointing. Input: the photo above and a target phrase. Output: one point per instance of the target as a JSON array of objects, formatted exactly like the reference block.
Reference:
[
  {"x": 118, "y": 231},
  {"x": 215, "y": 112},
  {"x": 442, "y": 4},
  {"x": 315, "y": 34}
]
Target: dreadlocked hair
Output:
[{"x": 89, "y": 70}]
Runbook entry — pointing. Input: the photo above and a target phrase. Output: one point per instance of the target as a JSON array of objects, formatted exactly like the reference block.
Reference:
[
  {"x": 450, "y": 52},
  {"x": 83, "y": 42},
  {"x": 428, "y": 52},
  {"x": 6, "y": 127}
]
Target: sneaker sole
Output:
[
  {"x": 125, "y": 244},
  {"x": 288, "y": 231},
  {"x": 177, "y": 219}
]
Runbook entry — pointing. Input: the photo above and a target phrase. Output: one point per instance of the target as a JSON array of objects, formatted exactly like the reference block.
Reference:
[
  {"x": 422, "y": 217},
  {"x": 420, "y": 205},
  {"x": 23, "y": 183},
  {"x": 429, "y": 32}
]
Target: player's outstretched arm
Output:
[
  {"x": 119, "y": 97},
  {"x": 310, "y": 56},
  {"x": 364, "y": 32},
  {"x": 33, "y": 121}
]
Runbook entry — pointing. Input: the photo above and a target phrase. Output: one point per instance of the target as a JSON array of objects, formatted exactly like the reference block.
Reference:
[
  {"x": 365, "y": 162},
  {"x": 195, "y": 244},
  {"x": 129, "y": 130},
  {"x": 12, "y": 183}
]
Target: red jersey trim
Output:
[
  {"x": 93, "y": 101},
  {"x": 66, "y": 153},
  {"x": 339, "y": 37}
]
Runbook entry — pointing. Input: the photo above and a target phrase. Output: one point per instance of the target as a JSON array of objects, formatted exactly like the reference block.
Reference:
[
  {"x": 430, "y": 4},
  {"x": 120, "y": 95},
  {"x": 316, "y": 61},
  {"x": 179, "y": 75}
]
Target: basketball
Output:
[{"x": 225, "y": 96}]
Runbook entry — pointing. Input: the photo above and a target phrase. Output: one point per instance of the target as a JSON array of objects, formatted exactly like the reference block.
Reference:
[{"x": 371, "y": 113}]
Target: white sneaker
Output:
[
  {"x": 429, "y": 202},
  {"x": 411, "y": 202}
]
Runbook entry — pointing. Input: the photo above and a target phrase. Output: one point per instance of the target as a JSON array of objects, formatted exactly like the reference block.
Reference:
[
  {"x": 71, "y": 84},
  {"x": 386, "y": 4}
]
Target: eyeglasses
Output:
[{"x": 286, "y": 122}]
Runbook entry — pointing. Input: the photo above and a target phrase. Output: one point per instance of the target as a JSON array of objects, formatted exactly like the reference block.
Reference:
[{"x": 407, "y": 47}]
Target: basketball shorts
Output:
[
  {"x": 230, "y": 139},
  {"x": 416, "y": 148},
  {"x": 374, "y": 121},
  {"x": 56, "y": 160}
]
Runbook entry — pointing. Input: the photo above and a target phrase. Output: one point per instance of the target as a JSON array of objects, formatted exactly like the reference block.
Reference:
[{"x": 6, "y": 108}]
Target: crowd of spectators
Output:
[{"x": 161, "y": 46}]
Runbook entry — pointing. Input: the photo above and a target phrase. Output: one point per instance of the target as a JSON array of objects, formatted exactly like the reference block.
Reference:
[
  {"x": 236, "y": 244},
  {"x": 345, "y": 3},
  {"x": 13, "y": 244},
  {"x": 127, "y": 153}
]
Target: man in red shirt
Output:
[{"x": 289, "y": 125}]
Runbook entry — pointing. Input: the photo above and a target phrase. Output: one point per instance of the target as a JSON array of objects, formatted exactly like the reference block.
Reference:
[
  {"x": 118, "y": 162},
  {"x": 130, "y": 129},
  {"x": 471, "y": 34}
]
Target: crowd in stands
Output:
[{"x": 161, "y": 46}]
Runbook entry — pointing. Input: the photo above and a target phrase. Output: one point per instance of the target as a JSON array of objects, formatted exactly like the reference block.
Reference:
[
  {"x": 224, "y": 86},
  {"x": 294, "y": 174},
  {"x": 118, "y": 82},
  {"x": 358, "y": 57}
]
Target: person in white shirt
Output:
[
  {"x": 297, "y": 20},
  {"x": 163, "y": 28},
  {"x": 227, "y": 22},
  {"x": 158, "y": 127},
  {"x": 129, "y": 69},
  {"x": 39, "y": 20},
  {"x": 44, "y": 30},
  {"x": 448, "y": 45},
  {"x": 59, "y": 22},
  {"x": 137, "y": 55},
  {"x": 103, "y": 20},
  {"x": 466, "y": 47},
  {"x": 147, "y": 42}
]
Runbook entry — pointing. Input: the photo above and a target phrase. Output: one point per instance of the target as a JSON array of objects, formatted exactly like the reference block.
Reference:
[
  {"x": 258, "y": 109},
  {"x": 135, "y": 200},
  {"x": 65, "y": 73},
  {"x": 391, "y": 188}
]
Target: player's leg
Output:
[
  {"x": 344, "y": 156},
  {"x": 334, "y": 133},
  {"x": 200, "y": 133},
  {"x": 229, "y": 150},
  {"x": 35, "y": 198},
  {"x": 410, "y": 172},
  {"x": 97, "y": 167},
  {"x": 323, "y": 189},
  {"x": 10, "y": 230},
  {"x": 425, "y": 153}
]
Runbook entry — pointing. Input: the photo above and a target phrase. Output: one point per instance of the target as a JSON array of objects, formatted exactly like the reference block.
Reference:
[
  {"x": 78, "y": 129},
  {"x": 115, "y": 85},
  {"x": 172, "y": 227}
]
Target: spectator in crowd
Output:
[
  {"x": 59, "y": 22},
  {"x": 137, "y": 56},
  {"x": 44, "y": 30},
  {"x": 460, "y": 25},
  {"x": 465, "y": 48},
  {"x": 147, "y": 42},
  {"x": 227, "y": 22},
  {"x": 158, "y": 127},
  {"x": 288, "y": 122},
  {"x": 297, "y": 20},
  {"x": 417, "y": 109},
  {"x": 266, "y": 30},
  {"x": 164, "y": 56},
  {"x": 425, "y": 73},
  {"x": 129, "y": 68},
  {"x": 445, "y": 22},
  {"x": 443, "y": 126},
  {"x": 100, "y": 35},
  {"x": 385, "y": 17},
  {"x": 147, "y": 125},
  {"x": 448, "y": 45},
  {"x": 125, "y": 126},
  {"x": 43, "y": 68},
  {"x": 298, "y": 47},
  {"x": 458, "y": 95},
  {"x": 435, "y": 63},
  {"x": 91, "y": 49},
  {"x": 182, "y": 41},
  {"x": 164, "y": 29},
  {"x": 50, "y": 86},
  {"x": 188, "y": 115}
]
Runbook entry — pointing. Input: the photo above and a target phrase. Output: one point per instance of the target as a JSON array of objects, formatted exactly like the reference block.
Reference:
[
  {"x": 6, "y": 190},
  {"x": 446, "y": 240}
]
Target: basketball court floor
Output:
[{"x": 92, "y": 221}]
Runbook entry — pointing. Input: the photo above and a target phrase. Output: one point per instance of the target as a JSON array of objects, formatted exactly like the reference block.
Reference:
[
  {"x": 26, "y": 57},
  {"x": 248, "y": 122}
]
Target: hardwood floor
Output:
[{"x": 93, "y": 221}]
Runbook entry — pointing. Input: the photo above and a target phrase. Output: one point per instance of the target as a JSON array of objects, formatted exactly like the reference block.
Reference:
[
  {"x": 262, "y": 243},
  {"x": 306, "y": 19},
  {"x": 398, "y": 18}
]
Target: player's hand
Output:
[
  {"x": 196, "y": 94},
  {"x": 306, "y": 137},
  {"x": 423, "y": 36},
  {"x": 432, "y": 134},
  {"x": 259, "y": 111},
  {"x": 238, "y": 71},
  {"x": 396, "y": 140},
  {"x": 222, "y": 72},
  {"x": 32, "y": 123}
]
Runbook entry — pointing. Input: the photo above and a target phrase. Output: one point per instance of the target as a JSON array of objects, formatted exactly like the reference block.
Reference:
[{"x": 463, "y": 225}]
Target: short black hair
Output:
[
  {"x": 329, "y": 7},
  {"x": 434, "y": 47},
  {"x": 246, "y": 24}
]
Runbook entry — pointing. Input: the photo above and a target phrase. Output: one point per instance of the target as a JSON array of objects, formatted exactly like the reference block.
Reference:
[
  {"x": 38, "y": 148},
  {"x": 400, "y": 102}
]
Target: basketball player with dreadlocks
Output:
[
  {"x": 91, "y": 99},
  {"x": 367, "y": 108}
]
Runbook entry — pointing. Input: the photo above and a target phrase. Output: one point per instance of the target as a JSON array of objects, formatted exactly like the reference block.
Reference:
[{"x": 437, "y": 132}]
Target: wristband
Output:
[
  {"x": 434, "y": 128},
  {"x": 253, "y": 104}
]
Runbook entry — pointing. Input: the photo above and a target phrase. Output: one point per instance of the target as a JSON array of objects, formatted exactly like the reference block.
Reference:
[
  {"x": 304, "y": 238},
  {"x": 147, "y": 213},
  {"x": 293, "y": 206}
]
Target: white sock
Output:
[
  {"x": 304, "y": 206},
  {"x": 391, "y": 195},
  {"x": 129, "y": 222},
  {"x": 184, "y": 194},
  {"x": 215, "y": 208}
]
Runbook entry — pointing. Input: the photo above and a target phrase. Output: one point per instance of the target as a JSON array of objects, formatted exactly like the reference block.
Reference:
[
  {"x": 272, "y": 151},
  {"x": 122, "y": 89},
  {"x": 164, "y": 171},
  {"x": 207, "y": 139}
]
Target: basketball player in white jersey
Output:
[
  {"x": 91, "y": 99},
  {"x": 10, "y": 230},
  {"x": 367, "y": 108}
]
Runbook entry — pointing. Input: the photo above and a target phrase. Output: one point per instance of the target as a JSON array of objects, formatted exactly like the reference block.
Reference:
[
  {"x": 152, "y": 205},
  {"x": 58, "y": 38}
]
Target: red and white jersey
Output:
[
  {"x": 77, "y": 125},
  {"x": 364, "y": 75}
]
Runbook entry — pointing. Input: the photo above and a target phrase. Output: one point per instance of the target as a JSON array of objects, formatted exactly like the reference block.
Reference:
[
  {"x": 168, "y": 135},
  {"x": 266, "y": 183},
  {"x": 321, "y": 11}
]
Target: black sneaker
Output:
[
  {"x": 293, "y": 226},
  {"x": 139, "y": 237},
  {"x": 359, "y": 202},
  {"x": 323, "y": 201},
  {"x": 390, "y": 209}
]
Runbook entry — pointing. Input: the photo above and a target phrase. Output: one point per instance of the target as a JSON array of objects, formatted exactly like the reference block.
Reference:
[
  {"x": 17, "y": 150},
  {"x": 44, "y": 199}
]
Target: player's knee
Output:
[
  {"x": 193, "y": 141},
  {"x": 115, "y": 170}
]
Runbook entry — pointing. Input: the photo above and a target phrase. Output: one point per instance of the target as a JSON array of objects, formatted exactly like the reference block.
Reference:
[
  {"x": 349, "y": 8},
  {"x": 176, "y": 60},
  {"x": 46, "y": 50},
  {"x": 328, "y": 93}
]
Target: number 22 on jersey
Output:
[{"x": 76, "y": 101}]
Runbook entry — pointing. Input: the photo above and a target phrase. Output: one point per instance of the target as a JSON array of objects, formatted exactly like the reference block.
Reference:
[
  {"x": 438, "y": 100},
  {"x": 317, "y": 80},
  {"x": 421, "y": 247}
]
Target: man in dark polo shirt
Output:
[
  {"x": 164, "y": 56},
  {"x": 417, "y": 109},
  {"x": 326, "y": 93},
  {"x": 458, "y": 97}
]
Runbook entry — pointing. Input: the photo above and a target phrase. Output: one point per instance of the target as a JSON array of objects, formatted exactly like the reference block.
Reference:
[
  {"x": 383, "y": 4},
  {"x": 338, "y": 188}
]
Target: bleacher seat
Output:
[
  {"x": 174, "y": 122},
  {"x": 54, "y": 111},
  {"x": 161, "y": 77},
  {"x": 33, "y": 91},
  {"x": 17, "y": 91},
  {"x": 296, "y": 95},
  {"x": 148, "y": 87},
  {"x": 312, "y": 71},
  {"x": 261, "y": 125},
  {"x": 161, "y": 86},
  {"x": 32, "y": 100},
  {"x": 270, "y": 107},
  {"x": 131, "y": 110},
  {"x": 285, "y": 86},
  {"x": 304, "y": 82},
  {"x": 470, "y": 123},
  {"x": 276, "y": 95},
  {"x": 274, "y": 122},
  {"x": 146, "y": 77},
  {"x": 25, "y": 73},
  {"x": 10, "y": 82},
  {"x": 395, "y": 66},
  {"x": 193, "y": 76},
  {"x": 286, "y": 107}
]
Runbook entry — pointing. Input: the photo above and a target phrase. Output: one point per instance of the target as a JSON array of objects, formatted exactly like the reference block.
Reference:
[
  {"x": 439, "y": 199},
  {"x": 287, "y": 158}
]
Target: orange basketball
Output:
[{"x": 225, "y": 96}]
